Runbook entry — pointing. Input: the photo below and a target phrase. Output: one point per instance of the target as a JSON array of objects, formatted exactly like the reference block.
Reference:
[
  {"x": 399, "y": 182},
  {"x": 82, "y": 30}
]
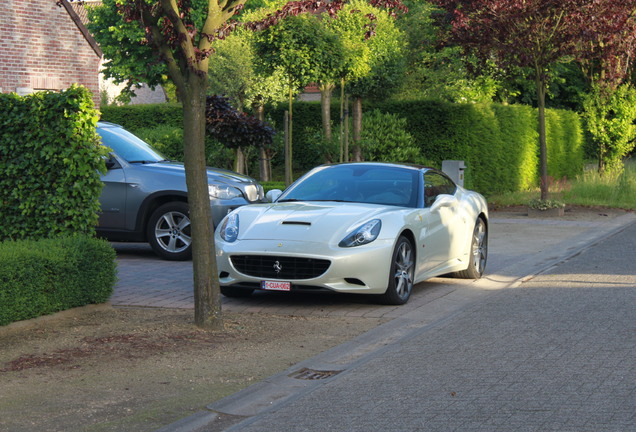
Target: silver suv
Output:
[{"x": 145, "y": 196}]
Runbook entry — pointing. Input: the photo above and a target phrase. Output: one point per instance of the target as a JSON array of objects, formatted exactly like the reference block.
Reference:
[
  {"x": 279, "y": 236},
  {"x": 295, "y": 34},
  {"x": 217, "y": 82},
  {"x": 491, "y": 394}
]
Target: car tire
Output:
[
  {"x": 169, "y": 231},
  {"x": 401, "y": 273},
  {"x": 478, "y": 252},
  {"x": 236, "y": 292}
]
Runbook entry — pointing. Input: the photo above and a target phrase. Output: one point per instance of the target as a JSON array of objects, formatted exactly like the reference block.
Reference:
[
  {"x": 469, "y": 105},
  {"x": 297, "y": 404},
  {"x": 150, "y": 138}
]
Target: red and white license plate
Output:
[{"x": 276, "y": 285}]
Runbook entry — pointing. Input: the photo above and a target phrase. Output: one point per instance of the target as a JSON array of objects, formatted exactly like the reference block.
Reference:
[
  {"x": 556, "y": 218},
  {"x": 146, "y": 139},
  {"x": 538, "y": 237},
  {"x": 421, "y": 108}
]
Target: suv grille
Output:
[{"x": 279, "y": 267}]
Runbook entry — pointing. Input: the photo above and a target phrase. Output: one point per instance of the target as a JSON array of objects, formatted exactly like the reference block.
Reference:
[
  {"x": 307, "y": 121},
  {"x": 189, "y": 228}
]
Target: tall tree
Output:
[
  {"x": 610, "y": 106},
  {"x": 127, "y": 59},
  {"x": 374, "y": 60},
  {"x": 233, "y": 73},
  {"x": 182, "y": 32},
  {"x": 439, "y": 71},
  {"x": 536, "y": 34},
  {"x": 297, "y": 46}
]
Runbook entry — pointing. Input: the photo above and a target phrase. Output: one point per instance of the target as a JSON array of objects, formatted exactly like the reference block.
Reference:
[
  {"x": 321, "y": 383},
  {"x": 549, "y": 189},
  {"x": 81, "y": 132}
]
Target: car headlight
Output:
[
  {"x": 223, "y": 192},
  {"x": 362, "y": 235},
  {"x": 230, "y": 228}
]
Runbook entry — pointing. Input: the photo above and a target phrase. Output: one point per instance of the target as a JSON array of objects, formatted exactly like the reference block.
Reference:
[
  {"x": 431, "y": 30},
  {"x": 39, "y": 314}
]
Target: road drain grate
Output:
[{"x": 312, "y": 374}]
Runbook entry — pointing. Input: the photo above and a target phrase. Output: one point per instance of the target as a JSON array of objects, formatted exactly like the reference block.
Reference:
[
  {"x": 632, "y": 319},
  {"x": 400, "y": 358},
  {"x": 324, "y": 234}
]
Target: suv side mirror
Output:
[{"x": 112, "y": 163}]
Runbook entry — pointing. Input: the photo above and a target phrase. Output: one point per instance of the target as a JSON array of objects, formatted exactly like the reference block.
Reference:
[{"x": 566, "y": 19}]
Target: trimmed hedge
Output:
[
  {"x": 40, "y": 277},
  {"x": 50, "y": 159},
  {"x": 499, "y": 143},
  {"x": 135, "y": 117}
]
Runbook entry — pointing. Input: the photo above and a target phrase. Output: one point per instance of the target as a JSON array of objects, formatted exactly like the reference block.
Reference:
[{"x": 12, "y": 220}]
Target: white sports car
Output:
[{"x": 368, "y": 228}]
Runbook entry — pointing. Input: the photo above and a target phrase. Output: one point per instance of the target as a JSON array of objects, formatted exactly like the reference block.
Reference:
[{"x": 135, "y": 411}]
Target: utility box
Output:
[{"x": 455, "y": 170}]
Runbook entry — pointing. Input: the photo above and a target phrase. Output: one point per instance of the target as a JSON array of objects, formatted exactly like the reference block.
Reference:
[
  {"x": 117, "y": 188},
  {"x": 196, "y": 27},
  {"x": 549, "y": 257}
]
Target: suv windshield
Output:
[{"x": 128, "y": 146}]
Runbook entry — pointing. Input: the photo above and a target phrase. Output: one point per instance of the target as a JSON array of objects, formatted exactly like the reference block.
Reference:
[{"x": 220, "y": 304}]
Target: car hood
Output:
[
  {"x": 250, "y": 188},
  {"x": 214, "y": 174},
  {"x": 311, "y": 222}
]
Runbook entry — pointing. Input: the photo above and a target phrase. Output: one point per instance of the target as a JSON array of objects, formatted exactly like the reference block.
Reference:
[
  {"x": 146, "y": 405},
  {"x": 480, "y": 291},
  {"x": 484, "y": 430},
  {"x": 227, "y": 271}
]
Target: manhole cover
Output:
[{"x": 312, "y": 374}]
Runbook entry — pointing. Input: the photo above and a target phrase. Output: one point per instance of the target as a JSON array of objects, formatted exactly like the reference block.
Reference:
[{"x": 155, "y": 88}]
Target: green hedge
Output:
[
  {"x": 39, "y": 277},
  {"x": 499, "y": 143},
  {"x": 136, "y": 117},
  {"x": 50, "y": 159}
]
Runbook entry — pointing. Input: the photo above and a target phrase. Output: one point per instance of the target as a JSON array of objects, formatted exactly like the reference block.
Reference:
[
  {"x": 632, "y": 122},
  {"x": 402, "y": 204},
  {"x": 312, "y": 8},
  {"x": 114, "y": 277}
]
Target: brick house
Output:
[{"x": 45, "y": 46}]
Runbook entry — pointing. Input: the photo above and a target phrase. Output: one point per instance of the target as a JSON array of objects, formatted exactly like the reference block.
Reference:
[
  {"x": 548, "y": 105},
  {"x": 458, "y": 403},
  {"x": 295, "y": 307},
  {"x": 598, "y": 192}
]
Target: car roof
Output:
[{"x": 386, "y": 164}]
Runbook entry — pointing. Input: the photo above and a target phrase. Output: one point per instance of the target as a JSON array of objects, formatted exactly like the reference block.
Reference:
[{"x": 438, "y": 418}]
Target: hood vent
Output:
[{"x": 296, "y": 223}]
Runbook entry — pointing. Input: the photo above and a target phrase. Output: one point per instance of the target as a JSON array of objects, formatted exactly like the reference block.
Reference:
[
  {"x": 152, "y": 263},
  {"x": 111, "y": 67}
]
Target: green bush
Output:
[
  {"x": 385, "y": 138},
  {"x": 268, "y": 186},
  {"x": 50, "y": 159},
  {"x": 39, "y": 277},
  {"x": 168, "y": 140}
]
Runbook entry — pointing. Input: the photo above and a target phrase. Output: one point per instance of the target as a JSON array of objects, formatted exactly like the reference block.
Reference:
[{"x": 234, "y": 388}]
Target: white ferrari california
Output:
[{"x": 368, "y": 228}]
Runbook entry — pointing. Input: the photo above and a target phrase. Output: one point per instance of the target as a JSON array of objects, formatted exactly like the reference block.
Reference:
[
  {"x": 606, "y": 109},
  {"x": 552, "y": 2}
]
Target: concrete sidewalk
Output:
[{"x": 450, "y": 326}]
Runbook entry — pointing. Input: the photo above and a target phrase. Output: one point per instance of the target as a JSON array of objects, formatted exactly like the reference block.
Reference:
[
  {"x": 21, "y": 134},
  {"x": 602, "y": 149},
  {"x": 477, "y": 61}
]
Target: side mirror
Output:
[
  {"x": 111, "y": 163},
  {"x": 273, "y": 195},
  {"x": 443, "y": 200}
]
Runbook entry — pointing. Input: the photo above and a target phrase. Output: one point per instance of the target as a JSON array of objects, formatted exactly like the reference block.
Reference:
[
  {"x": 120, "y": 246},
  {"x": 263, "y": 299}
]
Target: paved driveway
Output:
[{"x": 519, "y": 246}]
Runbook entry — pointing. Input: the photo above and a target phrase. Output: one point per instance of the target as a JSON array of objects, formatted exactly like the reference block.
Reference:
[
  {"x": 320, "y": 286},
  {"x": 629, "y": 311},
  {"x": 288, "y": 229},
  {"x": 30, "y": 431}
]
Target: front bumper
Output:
[{"x": 362, "y": 269}]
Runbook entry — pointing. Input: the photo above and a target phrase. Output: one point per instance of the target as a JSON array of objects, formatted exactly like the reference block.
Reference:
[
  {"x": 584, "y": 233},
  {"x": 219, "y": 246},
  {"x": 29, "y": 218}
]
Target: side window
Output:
[{"x": 436, "y": 184}]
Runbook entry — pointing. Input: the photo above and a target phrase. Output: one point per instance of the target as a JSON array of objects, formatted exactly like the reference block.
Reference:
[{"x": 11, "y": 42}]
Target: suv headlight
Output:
[
  {"x": 230, "y": 228},
  {"x": 223, "y": 192},
  {"x": 363, "y": 234}
]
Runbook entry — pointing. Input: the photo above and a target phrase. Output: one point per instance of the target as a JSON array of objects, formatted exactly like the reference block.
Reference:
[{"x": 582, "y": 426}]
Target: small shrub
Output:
[
  {"x": 39, "y": 277},
  {"x": 540, "y": 204}
]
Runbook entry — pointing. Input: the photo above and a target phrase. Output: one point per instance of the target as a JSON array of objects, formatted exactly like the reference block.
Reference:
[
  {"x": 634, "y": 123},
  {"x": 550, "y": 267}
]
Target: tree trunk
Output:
[
  {"x": 346, "y": 128},
  {"x": 342, "y": 122},
  {"x": 357, "y": 128},
  {"x": 325, "y": 108},
  {"x": 543, "y": 148},
  {"x": 287, "y": 129},
  {"x": 265, "y": 164},
  {"x": 207, "y": 296},
  {"x": 289, "y": 157},
  {"x": 239, "y": 161}
]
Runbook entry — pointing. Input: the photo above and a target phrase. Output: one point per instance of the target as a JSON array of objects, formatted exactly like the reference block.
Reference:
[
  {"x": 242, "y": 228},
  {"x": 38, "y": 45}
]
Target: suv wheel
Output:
[{"x": 169, "y": 230}]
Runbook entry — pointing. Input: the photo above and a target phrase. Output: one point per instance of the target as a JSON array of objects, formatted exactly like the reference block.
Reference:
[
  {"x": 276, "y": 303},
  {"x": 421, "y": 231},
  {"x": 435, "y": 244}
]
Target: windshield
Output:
[
  {"x": 128, "y": 146},
  {"x": 364, "y": 183}
]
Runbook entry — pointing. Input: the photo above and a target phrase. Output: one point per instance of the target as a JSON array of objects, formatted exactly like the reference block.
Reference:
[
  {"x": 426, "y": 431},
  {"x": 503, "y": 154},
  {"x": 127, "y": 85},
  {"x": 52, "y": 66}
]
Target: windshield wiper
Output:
[{"x": 143, "y": 161}]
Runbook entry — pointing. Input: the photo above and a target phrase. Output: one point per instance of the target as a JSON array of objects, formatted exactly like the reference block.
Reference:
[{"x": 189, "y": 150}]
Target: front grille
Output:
[{"x": 280, "y": 267}]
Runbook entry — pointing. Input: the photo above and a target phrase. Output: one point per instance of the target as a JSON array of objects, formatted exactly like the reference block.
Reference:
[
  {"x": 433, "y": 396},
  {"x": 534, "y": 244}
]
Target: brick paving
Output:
[
  {"x": 554, "y": 354},
  {"x": 146, "y": 281}
]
